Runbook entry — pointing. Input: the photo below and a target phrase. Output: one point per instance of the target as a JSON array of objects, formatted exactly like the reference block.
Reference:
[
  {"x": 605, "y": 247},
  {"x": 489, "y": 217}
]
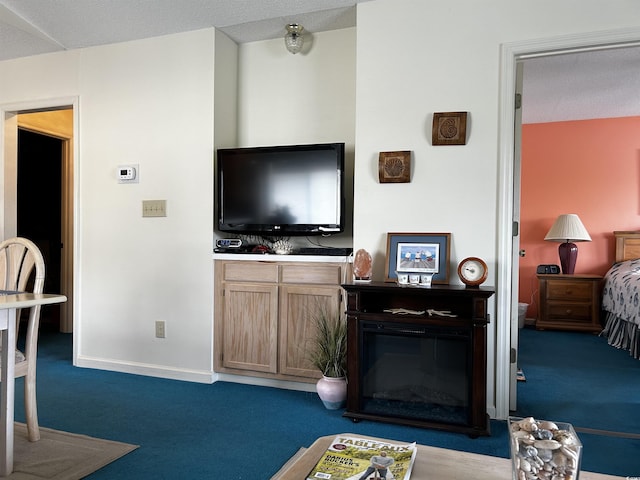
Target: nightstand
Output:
[{"x": 569, "y": 302}]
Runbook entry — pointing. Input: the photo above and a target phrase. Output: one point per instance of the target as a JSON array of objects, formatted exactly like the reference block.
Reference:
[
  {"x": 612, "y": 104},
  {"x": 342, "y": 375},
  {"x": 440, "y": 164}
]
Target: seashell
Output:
[
  {"x": 528, "y": 424},
  {"x": 547, "y": 425},
  {"x": 543, "y": 434},
  {"x": 394, "y": 166},
  {"x": 569, "y": 453},
  {"x": 547, "y": 444},
  {"x": 282, "y": 247},
  {"x": 527, "y": 451},
  {"x": 564, "y": 437},
  {"x": 523, "y": 437},
  {"x": 524, "y": 465},
  {"x": 545, "y": 455},
  {"x": 559, "y": 460}
]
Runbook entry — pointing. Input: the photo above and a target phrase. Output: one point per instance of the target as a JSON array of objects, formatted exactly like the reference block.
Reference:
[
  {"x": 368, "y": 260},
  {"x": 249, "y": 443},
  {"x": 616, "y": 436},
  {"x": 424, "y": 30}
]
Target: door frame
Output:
[
  {"x": 507, "y": 302},
  {"x": 8, "y": 201}
]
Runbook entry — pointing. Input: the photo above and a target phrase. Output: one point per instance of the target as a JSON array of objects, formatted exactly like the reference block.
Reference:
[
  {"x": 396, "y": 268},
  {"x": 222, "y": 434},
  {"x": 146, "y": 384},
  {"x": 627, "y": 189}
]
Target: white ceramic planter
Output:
[{"x": 332, "y": 391}]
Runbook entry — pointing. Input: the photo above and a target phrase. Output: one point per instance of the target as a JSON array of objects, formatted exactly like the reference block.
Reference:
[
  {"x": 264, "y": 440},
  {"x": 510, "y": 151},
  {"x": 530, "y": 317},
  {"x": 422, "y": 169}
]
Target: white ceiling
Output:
[
  {"x": 31, "y": 27},
  {"x": 575, "y": 86},
  {"x": 580, "y": 86}
]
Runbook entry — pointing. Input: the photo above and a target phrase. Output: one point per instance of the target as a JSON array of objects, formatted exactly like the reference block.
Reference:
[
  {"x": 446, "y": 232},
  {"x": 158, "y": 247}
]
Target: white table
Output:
[{"x": 8, "y": 305}]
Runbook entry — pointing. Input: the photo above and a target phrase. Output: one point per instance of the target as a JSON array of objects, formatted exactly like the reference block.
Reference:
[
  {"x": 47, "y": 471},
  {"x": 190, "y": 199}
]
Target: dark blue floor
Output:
[
  {"x": 234, "y": 431},
  {"x": 578, "y": 378}
]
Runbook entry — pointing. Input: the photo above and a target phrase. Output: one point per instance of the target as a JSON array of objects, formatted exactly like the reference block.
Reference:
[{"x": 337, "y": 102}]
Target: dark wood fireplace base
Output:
[
  {"x": 427, "y": 368},
  {"x": 472, "y": 432}
]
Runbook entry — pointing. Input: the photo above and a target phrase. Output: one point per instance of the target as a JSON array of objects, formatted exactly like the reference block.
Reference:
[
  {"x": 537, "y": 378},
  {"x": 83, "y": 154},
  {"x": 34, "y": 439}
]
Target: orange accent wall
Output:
[{"x": 587, "y": 167}]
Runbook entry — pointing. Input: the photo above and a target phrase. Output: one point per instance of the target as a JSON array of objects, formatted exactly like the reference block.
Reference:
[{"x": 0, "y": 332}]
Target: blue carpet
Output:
[
  {"x": 578, "y": 378},
  {"x": 234, "y": 431}
]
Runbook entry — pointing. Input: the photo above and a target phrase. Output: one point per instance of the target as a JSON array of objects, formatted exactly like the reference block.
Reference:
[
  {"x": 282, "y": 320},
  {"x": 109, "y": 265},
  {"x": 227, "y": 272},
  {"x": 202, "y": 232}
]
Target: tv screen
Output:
[{"x": 281, "y": 190}]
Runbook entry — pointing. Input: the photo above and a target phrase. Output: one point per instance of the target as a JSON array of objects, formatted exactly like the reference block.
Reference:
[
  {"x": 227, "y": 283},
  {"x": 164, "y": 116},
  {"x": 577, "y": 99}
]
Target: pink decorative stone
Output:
[{"x": 362, "y": 265}]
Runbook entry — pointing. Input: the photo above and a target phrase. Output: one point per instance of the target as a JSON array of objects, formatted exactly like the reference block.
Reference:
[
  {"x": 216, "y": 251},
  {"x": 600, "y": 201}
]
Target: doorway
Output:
[
  {"x": 509, "y": 163},
  {"x": 53, "y": 125},
  {"x": 39, "y": 213}
]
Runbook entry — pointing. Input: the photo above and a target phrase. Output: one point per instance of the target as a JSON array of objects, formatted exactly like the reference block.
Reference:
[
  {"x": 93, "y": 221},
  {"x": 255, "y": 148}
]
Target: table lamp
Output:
[{"x": 568, "y": 229}]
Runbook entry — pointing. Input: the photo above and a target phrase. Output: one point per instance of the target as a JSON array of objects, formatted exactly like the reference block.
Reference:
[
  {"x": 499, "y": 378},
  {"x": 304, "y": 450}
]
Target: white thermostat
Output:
[{"x": 128, "y": 174}]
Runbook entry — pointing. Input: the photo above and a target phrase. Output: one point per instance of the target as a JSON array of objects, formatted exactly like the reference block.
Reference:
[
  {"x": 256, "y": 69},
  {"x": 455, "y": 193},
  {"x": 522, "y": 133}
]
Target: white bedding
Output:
[{"x": 621, "y": 304}]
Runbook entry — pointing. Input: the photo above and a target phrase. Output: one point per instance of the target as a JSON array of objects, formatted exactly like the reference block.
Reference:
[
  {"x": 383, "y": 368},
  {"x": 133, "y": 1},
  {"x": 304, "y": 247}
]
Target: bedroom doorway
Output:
[
  {"x": 40, "y": 160},
  {"x": 509, "y": 168},
  {"x": 56, "y": 122}
]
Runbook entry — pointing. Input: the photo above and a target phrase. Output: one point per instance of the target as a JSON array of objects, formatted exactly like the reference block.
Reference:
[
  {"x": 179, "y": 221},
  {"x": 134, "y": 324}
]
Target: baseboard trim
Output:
[
  {"x": 148, "y": 370},
  {"x": 265, "y": 382}
]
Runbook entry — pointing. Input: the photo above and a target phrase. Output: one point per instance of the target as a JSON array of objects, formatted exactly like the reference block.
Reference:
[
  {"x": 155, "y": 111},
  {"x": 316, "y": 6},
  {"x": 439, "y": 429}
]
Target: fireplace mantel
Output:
[{"x": 424, "y": 366}]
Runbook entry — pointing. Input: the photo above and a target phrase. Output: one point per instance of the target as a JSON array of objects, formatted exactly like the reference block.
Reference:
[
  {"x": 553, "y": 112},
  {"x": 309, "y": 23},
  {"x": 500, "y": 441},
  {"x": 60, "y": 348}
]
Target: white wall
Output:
[
  {"x": 303, "y": 98},
  {"x": 286, "y": 99},
  {"x": 150, "y": 103},
  {"x": 417, "y": 57},
  {"x": 226, "y": 92}
]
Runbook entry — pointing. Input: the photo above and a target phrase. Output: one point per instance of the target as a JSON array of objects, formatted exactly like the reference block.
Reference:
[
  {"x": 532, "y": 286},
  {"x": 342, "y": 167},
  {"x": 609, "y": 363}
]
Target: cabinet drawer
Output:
[
  {"x": 310, "y": 273},
  {"x": 569, "y": 290},
  {"x": 251, "y": 272},
  {"x": 579, "y": 312}
]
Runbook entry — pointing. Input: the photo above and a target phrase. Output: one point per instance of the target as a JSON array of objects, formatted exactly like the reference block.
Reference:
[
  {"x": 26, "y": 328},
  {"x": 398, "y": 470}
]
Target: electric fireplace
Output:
[{"x": 417, "y": 356}]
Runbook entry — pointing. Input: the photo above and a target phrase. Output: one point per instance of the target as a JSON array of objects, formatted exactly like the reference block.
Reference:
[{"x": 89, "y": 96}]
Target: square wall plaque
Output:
[
  {"x": 449, "y": 128},
  {"x": 394, "y": 167}
]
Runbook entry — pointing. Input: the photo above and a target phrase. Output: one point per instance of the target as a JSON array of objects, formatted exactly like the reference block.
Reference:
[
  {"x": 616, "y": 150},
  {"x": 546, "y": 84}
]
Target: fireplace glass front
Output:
[{"x": 416, "y": 371}]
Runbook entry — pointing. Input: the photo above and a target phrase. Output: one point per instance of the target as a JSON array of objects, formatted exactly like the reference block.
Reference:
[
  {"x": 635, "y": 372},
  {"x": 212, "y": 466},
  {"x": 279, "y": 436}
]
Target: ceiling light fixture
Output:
[{"x": 294, "y": 40}]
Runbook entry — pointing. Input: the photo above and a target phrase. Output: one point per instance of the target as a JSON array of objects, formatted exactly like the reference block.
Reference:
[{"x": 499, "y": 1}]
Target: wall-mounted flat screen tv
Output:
[{"x": 281, "y": 190}]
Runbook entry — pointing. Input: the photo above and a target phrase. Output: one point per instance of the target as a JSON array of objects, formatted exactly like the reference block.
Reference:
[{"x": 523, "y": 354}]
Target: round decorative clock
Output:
[{"x": 472, "y": 271}]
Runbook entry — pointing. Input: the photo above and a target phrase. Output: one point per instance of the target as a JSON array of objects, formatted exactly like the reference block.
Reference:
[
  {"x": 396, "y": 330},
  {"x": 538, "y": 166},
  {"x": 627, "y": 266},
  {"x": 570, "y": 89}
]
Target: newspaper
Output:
[{"x": 354, "y": 458}]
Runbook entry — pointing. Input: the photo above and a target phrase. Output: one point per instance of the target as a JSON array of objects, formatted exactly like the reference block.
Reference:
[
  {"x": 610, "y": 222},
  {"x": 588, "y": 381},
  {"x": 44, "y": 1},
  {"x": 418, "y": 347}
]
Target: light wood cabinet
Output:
[
  {"x": 569, "y": 302},
  {"x": 250, "y": 327},
  {"x": 264, "y": 315}
]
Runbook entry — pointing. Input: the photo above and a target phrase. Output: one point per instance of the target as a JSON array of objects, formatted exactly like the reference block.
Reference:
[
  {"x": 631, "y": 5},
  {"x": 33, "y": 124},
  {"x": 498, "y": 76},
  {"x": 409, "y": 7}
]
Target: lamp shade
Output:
[{"x": 568, "y": 228}]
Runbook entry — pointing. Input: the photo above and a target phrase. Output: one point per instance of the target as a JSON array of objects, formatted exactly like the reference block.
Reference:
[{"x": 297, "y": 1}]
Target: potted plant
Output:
[{"x": 328, "y": 353}]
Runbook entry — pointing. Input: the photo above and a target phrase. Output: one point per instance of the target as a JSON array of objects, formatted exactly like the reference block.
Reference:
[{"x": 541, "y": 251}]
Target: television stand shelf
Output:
[
  {"x": 263, "y": 312},
  {"x": 328, "y": 251}
]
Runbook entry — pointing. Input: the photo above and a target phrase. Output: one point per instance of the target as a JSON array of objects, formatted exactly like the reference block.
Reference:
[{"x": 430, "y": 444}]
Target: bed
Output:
[{"x": 621, "y": 295}]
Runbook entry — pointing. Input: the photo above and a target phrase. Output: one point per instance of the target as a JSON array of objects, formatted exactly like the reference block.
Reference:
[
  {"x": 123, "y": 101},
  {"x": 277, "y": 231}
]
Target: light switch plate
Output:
[{"x": 154, "y": 208}]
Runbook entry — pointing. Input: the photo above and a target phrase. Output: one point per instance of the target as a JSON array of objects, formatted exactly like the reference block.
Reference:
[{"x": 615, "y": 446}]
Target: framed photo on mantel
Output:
[{"x": 418, "y": 253}]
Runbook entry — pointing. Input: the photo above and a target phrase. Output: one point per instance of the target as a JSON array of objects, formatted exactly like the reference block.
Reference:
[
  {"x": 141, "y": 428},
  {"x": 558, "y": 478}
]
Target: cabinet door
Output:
[
  {"x": 250, "y": 327},
  {"x": 297, "y": 307}
]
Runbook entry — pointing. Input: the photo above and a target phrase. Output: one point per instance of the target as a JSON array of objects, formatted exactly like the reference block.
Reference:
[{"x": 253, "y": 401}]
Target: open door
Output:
[
  {"x": 57, "y": 123},
  {"x": 516, "y": 252}
]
